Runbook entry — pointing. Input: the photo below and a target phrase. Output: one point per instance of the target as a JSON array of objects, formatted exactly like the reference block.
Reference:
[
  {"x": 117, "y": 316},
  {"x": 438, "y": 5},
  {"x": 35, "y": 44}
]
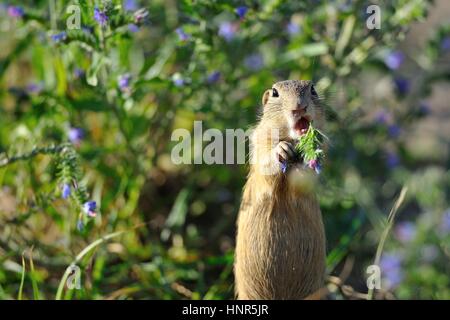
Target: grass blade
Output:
[
  {"x": 80, "y": 256},
  {"x": 22, "y": 280},
  {"x": 386, "y": 230},
  {"x": 36, "y": 295}
]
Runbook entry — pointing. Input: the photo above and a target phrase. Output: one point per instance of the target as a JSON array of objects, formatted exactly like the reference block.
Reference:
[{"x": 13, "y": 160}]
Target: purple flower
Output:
[
  {"x": 89, "y": 208},
  {"x": 178, "y": 82},
  {"x": 315, "y": 165},
  {"x": 390, "y": 265},
  {"x": 392, "y": 160},
  {"x": 405, "y": 231},
  {"x": 402, "y": 85},
  {"x": 182, "y": 35},
  {"x": 15, "y": 11},
  {"x": 445, "y": 223},
  {"x": 213, "y": 77},
  {"x": 133, "y": 28},
  {"x": 284, "y": 166},
  {"x": 293, "y": 28},
  {"x": 241, "y": 11},
  {"x": 227, "y": 30},
  {"x": 381, "y": 117},
  {"x": 312, "y": 163},
  {"x": 78, "y": 73},
  {"x": 130, "y": 5},
  {"x": 35, "y": 88},
  {"x": 59, "y": 37},
  {"x": 394, "y": 130},
  {"x": 76, "y": 135},
  {"x": 445, "y": 44},
  {"x": 124, "y": 82},
  {"x": 424, "y": 108},
  {"x": 318, "y": 168},
  {"x": 140, "y": 16},
  {"x": 394, "y": 59},
  {"x": 100, "y": 16},
  {"x": 80, "y": 225},
  {"x": 254, "y": 62},
  {"x": 65, "y": 190}
]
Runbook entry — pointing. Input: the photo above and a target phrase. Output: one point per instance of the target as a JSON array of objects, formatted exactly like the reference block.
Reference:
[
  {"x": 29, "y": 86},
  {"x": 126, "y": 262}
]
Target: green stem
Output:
[
  {"x": 32, "y": 154},
  {"x": 52, "y": 7}
]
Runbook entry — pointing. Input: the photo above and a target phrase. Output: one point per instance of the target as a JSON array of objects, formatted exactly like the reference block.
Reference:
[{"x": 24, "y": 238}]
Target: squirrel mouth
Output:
[{"x": 301, "y": 126}]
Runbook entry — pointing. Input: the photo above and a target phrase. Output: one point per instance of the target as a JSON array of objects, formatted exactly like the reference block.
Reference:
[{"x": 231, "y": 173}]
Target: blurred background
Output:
[{"x": 88, "y": 106}]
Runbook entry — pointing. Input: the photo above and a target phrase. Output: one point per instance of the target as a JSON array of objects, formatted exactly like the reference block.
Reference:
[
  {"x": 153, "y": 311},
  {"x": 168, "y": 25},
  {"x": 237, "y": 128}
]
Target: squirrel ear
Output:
[{"x": 265, "y": 97}]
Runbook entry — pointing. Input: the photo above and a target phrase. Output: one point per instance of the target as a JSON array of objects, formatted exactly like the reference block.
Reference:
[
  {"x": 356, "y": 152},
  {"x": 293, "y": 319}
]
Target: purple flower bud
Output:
[
  {"x": 78, "y": 73},
  {"x": 392, "y": 160},
  {"x": 293, "y": 28},
  {"x": 35, "y": 88},
  {"x": 213, "y": 77},
  {"x": 284, "y": 166},
  {"x": 405, "y": 231},
  {"x": 66, "y": 191},
  {"x": 445, "y": 223},
  {"x": 402, "y": 84},
  {"x": 315, "y": 165},
  {"x": 394, "y": 59},
  {"x": 178, "y": 82},
  {"x": 312, "y": 163},
  {"x": 130, "y": 5},
  {"x": 254, "y": 62},
  {"x": 80, "y": 225},
  {"x": 394, "y": 130},
  {"x": 15, "y": 11},
  {"x": 59, "y": 37},
  {"x": 182, "y": 35},
  {"x": 124, "y": 82},
  {"x": 445, "y": 44},
  {"x": 227, "y": 30},
  {"x": 89, "y": 208},
  {"x": 241, "y": 11},
  {"x": 133, "y": 28},
  {"x": 318, "y": 169},
  {"x": 76, "y": 135},
  {"x": 381, "y": 117},
  {"x": 424, "y": 108},
  {"x": 100, "y": 16}
]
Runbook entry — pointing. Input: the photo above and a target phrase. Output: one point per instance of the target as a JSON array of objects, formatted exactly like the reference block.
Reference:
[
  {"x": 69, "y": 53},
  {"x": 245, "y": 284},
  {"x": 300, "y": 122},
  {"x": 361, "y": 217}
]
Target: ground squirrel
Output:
[{"x": 280, "y": 246}]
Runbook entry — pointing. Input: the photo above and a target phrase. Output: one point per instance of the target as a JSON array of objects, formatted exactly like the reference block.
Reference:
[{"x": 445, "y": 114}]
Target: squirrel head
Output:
[{"x": 292, "y": 105}]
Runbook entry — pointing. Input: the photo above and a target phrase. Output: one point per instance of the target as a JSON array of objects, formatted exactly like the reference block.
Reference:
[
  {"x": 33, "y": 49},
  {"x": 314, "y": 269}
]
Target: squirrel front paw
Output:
[{"x": 285, "y": 152}]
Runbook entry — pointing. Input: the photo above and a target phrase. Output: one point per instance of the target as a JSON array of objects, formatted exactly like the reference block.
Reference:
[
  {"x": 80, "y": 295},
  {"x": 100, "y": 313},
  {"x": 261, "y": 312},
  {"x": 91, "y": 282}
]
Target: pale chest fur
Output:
[{"x": 280, "y": 251}]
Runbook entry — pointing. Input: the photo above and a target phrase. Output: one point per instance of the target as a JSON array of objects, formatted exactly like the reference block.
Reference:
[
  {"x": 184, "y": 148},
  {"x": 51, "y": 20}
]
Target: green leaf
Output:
[
  {"x": 309, "y": 50},
  {"x": 91, "y": 75},
  {"x": 177, "y": 215},
  {"x": 345, "y": 36}
]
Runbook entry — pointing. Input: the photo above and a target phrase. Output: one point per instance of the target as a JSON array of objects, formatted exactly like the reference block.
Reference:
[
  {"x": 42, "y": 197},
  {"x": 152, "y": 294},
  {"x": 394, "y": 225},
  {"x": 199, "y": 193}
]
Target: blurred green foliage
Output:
[{"x": 105, "y": 100}]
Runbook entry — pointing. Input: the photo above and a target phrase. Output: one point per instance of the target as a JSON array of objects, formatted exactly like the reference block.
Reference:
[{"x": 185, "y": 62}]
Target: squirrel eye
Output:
[
  {"x": 274, "y": 93},
  {"x": 314, "y": 92}
]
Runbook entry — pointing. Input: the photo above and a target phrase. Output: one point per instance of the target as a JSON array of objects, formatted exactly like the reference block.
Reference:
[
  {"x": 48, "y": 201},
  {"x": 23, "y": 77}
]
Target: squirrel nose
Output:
[{"x": 302, "y": 104}]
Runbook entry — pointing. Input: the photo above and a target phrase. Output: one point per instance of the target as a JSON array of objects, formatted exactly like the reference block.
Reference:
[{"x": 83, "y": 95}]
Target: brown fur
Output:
[{"x": 280, "y": 249}]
